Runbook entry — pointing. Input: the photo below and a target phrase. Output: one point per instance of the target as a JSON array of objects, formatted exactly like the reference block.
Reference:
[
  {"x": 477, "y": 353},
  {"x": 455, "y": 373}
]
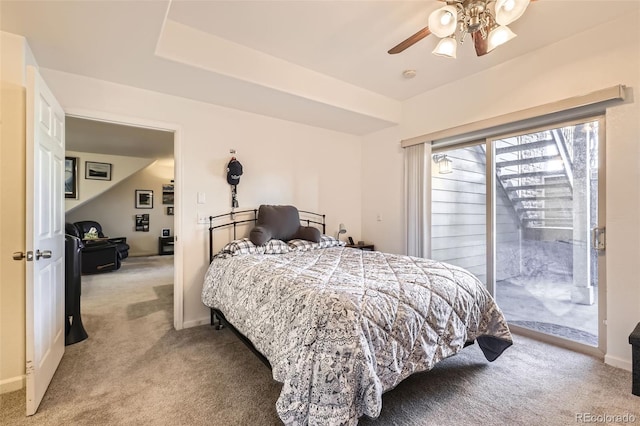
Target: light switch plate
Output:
[{"x": 201, "y": 197}]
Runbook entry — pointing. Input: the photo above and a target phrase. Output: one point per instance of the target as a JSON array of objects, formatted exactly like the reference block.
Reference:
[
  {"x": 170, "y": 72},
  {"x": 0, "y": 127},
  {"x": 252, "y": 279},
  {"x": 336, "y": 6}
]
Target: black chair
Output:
[
  {"x": 97, "y": 256},
  {"x": 74, "y": 330},
  {"x": 121, "y": 242}
]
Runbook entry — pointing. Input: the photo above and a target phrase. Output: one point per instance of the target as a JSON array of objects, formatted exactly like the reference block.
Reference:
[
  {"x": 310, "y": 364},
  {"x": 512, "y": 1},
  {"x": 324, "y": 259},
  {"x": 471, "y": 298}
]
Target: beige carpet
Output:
[{"x": 134, "y": 369}]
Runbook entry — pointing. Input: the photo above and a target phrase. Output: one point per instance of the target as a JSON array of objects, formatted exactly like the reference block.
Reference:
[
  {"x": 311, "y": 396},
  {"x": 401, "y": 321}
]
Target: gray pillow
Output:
[
  {"x": 308, "y": 233},
  {"x": 282, "y": 221},
  {"x": 260, "y": 235}
]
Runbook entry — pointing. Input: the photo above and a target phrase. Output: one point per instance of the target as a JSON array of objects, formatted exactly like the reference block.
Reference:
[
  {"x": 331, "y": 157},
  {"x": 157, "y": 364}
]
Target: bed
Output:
[{"x": 340, "y": 326}]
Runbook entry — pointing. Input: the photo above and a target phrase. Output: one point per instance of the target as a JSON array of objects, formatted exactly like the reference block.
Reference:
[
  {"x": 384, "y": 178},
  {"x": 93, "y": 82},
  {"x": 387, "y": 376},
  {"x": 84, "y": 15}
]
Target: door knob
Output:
[
  {"x": 46, "y": 254},
  {"x": 19, "y": 255}
]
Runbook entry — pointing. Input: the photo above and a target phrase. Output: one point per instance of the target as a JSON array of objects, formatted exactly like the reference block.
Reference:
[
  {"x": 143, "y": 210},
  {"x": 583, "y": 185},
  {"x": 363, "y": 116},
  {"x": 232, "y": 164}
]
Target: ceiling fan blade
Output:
[
  {"x": 410, "y": 41},
  {"x": 479, "y": 43}
]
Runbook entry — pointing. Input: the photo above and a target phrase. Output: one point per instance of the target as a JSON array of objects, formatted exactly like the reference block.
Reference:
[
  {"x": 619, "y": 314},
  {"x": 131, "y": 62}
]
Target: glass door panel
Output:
[
  {"x": 546, "y": 204},
  {"x": 458, "y": 208}
]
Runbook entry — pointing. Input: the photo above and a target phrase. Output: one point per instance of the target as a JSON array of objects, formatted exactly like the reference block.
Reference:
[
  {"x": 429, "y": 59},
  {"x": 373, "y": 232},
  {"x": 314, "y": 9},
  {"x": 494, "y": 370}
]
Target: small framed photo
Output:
[
  {"x": 70, "y": 177},
  {"x": 144, "y": 199},
  {"x": 170, "y": 211},
  {"x": 142, "y": 222},
  {"x": 97, "y": 171},
  {"x": 166, "y": 232},
  {"x": 167, "y": 198}
]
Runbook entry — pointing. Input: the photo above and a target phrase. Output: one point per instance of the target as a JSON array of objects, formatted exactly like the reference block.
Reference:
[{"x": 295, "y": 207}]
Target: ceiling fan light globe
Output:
[
  {"x": 499, "y": 36},
  {"x": 508, "y": 11},
  {"x": 447, "y": 47},
  {"x": 443, "y": 21}
]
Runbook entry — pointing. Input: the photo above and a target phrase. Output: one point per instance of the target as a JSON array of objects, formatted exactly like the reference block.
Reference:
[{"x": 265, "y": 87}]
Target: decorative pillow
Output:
[
  {"x": 245, "y": 246},
  {"x": 308, "y": 233},
  {"x": 260, "y": 235},
  {"x": 325, "y": 241},
  {"x": 276, "y": 247},
  {"x": 282, "y": 221},
  {"x": 303, "y": 245},
  {"x": 242, "y": 246}
]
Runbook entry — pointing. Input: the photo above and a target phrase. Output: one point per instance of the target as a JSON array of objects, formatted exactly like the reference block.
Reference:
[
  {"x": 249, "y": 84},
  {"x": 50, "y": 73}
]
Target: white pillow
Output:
[
  {"x": 245, "y": 246},
  {"x": 276, "y": 247},
  {"x": 242, "y": 246},
  {"x": 325, "y": 241}
]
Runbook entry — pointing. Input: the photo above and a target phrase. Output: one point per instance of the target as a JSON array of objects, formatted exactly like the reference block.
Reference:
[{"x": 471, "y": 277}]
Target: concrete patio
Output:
[{"x": 543, "y": 303}]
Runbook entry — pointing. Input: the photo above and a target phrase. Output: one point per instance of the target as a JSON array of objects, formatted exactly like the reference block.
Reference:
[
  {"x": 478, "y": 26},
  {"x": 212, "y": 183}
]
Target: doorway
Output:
[
  {"x": 134, "y": 140},
  {"x": 541, "y": 254}
]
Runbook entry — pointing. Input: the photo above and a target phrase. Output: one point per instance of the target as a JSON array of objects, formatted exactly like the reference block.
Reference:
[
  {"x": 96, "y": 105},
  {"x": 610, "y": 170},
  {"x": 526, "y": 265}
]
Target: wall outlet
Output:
[
  {"x": 203, "y": 219},
  {"x": 379, "y": 217}
]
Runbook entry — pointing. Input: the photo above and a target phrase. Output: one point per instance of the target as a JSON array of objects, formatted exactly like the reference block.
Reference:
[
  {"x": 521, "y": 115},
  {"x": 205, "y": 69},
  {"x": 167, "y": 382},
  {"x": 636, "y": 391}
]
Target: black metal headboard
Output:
[
  {"x": 317, "y": 217},
  {"x": 307, "y": 218}
]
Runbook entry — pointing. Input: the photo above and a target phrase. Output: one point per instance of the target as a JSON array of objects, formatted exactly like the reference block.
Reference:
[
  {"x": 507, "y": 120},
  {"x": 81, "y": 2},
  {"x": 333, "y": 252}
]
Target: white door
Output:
[{"x": 45, "y": 322}]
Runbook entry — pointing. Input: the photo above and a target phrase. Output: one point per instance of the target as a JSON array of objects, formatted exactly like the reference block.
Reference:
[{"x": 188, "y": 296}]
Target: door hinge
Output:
[{"x": 599, "y": 238}]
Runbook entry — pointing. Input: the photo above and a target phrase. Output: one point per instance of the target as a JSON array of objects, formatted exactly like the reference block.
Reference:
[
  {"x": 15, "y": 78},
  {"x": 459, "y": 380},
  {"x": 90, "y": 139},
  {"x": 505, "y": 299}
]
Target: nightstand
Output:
[
  {"x": 165, "y": 245},
  {"x": 366, "y": 247}
]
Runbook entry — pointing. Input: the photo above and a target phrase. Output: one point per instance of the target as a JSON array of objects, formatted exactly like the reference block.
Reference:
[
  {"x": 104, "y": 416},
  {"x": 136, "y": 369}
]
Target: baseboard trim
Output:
[
  {"x": 12, "y": 384},
  {"x": 625, "y": 364},
  {"x": 197, "y": 322}
]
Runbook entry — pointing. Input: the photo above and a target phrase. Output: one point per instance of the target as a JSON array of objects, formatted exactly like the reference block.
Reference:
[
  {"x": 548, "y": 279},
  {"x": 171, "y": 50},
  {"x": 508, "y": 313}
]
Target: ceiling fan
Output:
[{"x": 485, "y": 20}]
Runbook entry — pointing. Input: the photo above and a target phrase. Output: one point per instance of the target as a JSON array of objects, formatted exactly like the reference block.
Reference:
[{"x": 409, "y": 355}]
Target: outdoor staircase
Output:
[{"x": 535, "y": 172}]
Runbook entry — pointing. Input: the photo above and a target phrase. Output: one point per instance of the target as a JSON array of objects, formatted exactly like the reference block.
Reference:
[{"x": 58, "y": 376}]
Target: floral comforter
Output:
[{"x": 340, "y": 326}]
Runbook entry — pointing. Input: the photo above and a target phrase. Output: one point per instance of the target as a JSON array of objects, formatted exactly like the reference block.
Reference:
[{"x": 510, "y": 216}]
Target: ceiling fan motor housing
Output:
[{"x": 474, "y": 13}]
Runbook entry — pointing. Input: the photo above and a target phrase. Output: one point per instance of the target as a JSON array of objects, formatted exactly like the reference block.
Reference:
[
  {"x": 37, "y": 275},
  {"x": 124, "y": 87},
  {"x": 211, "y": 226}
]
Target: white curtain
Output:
[{"x": 417, "y": 195}]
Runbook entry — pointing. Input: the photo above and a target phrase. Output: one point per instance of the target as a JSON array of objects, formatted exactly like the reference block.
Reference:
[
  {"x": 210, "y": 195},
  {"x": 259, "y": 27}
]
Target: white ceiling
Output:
[
  {"x": 322, "y": 63},
  {"x": 116, "y": 139}
]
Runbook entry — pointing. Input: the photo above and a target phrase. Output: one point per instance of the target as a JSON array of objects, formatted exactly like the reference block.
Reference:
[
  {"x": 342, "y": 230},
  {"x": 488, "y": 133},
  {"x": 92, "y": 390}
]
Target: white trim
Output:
[
  {"x": 12, "y": 384},
  {"x": 178, "y": 285},
  {"x": 482, "y": 128},
  {"x": 196, "y": 323},
  {"x": 618, "y": 362},
  {"x": 561, "y": 342}
]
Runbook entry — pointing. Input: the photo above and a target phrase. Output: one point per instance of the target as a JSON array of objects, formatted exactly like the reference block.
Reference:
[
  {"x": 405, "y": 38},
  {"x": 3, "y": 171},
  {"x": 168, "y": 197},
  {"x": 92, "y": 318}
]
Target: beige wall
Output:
[
  {"x": 582, "y": 64},
  {"x": 12, "y": 211},
  {"x": 88, "y": 189},
  {"x": 383, "y": 213},
  {"x": 115, "y": 209},
  {"x": 284, "y": 163}
]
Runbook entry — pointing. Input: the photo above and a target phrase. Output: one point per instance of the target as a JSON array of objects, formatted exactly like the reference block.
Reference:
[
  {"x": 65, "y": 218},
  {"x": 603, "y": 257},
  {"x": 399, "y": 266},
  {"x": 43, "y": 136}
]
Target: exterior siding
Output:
[{"x": 458, "y": 217}]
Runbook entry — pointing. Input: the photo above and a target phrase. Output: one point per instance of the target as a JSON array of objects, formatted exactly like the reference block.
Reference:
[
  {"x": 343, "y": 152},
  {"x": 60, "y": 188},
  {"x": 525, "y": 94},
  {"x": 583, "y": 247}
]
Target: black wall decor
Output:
[{"x": 142, "y": 222}]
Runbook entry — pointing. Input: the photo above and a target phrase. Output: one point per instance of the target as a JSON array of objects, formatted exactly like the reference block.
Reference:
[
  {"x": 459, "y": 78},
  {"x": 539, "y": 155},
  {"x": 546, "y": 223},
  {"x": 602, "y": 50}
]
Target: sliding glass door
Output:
[
  {"x": 545, "y": 205},
  {"x": 458, "y": 208}
]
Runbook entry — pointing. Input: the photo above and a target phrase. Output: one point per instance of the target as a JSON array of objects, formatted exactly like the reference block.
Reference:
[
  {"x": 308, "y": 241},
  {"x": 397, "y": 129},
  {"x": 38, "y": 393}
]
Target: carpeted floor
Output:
[{"x": 134, "y": 369}]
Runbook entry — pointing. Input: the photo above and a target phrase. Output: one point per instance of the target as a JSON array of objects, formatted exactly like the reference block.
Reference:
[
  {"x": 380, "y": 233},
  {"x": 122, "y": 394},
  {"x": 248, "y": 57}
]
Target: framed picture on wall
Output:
[
  {"x": 167, "y": 193},
  {"x": 97, "y": 171},
  {"x": 144, "y": 199},
  {"x": 142, "y": 223},
  {"x": 167, "y": 198},
  {"x": 170, "y": 211},
  {"x": 70, "y": 177}
]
